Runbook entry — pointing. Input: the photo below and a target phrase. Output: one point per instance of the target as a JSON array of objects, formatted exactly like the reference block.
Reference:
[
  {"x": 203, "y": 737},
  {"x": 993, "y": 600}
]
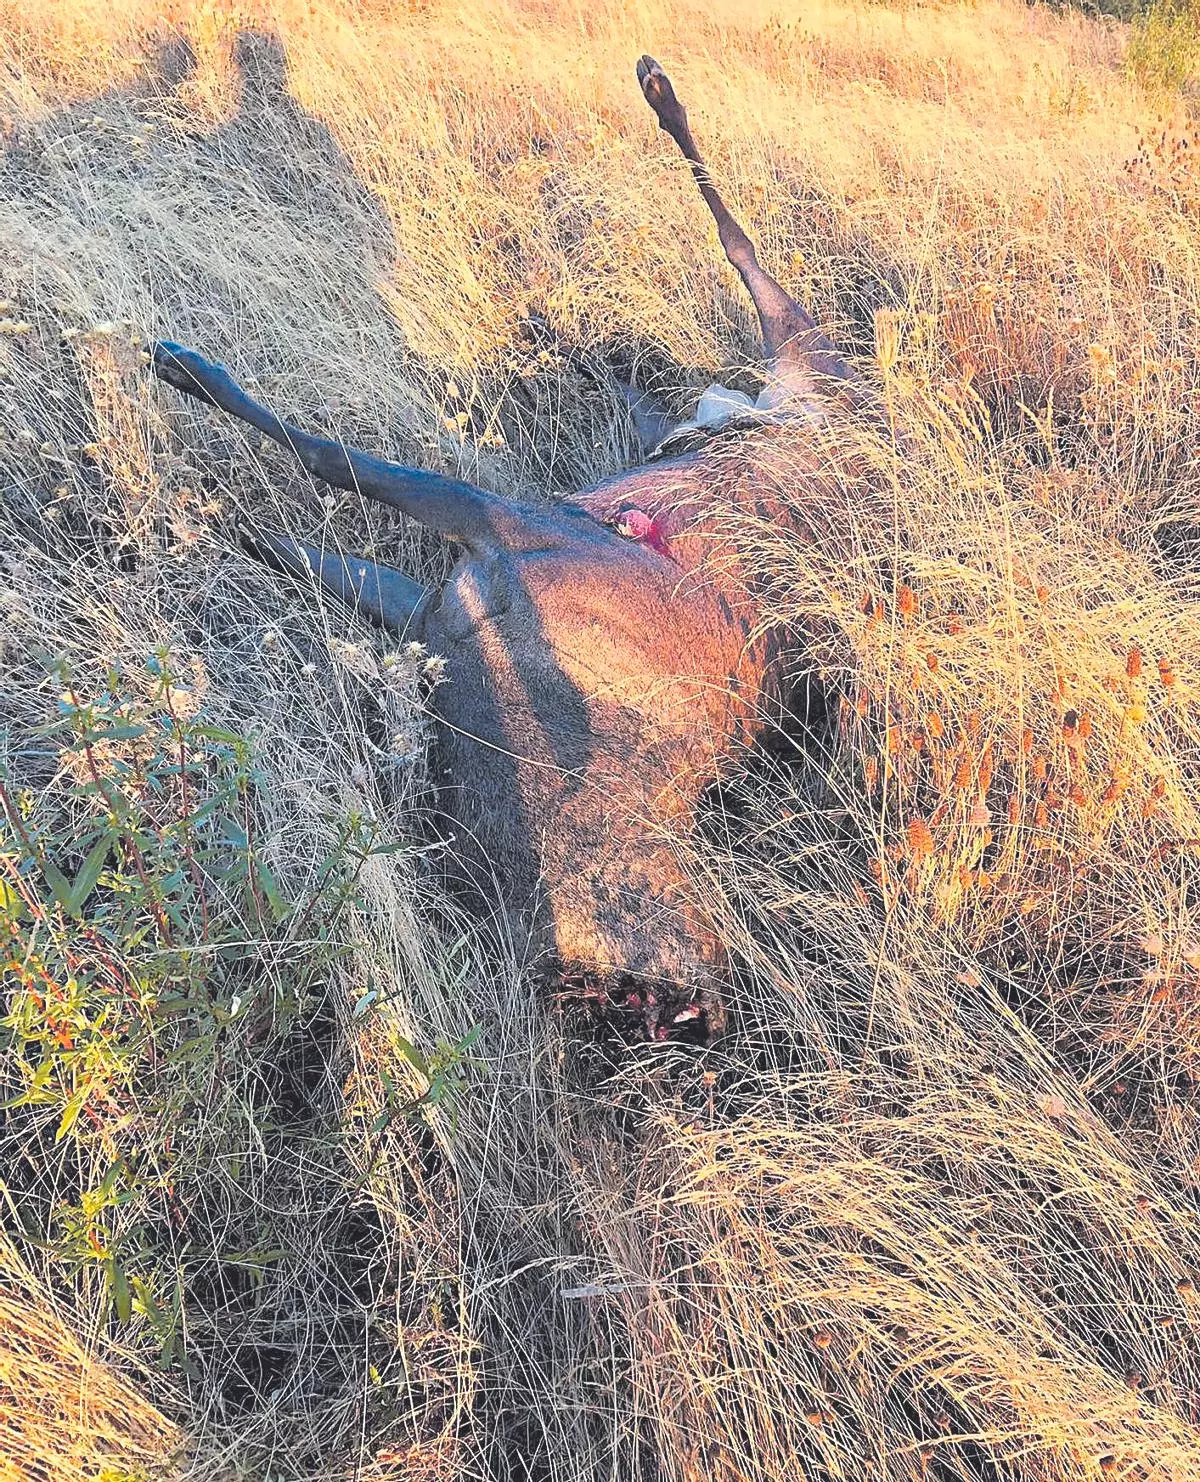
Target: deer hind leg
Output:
[
  {"x": 476, "y": 519},
  {"x": 801, "y": 357}
]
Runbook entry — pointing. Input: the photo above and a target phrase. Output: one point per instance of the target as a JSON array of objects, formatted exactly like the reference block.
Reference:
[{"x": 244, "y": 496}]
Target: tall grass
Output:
[{"x": 928, "y": 1208}]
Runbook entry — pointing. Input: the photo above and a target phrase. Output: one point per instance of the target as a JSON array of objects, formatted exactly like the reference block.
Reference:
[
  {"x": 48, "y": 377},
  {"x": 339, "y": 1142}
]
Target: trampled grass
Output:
[{"x": 300, "y": 1177}]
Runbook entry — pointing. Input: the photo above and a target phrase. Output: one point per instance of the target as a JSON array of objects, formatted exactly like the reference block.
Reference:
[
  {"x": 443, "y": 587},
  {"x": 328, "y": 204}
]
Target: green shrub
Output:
[
  {"x": 153, "y": 969},
  {"x": 1164, "y": 46}
]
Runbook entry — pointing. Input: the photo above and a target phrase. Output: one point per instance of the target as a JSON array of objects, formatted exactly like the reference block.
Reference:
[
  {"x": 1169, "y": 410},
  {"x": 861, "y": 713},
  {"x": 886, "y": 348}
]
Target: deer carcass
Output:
[{"x": 602, "y": 668}]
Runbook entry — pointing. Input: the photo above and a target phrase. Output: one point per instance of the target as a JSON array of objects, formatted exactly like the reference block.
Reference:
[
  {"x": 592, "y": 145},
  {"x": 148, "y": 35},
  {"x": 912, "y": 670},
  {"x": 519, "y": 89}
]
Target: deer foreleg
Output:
[{"x": 381, "y": 593}]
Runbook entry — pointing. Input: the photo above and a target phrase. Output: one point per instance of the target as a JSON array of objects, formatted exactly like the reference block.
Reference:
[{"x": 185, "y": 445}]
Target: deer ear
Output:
[{"x": 380, "y": 593}]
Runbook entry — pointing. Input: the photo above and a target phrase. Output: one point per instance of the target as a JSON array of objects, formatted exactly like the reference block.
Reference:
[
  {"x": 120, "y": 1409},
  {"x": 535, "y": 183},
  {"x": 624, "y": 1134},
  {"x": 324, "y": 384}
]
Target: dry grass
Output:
[
  {"x": 64, "y": 1413},
  {"x": 928, "y": 1209}
]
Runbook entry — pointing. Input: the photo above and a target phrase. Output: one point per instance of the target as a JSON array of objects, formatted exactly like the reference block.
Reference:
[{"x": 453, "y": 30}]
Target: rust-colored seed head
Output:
[
  {"x": 1133, "y": 663},
  {"x": 1042, "y": 816},
  {"x": 932, "y": 660},
  {"x": 1043, "y": 595},
  {"x": 987, "y": 766},
  {"x": 1166, "y": 673},
  {"x": 920, "y": 840},
  {"x": 962, "y": 778},
  {"x": 1027, "y": 740},
  {"x": 1014, "y": 808},
  {"x": 1078, "y": 796},
  {"x": 906, "y": 601},
  {"x": 871, "y": 774},
  {"x": 822, "y": 1338},
  {"x": 935, "y": 725},
  {"x": 955, "y": 623},
  {"x": 1159, "y": 788},
  {"x": 1039, "y": 767},
  {"x": 1085, "y": 725},
  {"x": 966, "y": 876}
]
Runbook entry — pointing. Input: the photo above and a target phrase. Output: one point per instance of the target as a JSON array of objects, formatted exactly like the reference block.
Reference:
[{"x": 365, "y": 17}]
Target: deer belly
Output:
[{"x": 562, "y": 807}]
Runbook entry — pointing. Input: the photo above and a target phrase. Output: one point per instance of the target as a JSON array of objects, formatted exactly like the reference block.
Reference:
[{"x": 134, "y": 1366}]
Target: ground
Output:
[{"x": 301, "y": 1175}]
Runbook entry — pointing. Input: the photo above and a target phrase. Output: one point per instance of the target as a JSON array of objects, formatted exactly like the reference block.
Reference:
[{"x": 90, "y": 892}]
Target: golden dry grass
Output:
[
  {"x": 928, "y": 1209},
  {"x": 65, "y": 1414}
]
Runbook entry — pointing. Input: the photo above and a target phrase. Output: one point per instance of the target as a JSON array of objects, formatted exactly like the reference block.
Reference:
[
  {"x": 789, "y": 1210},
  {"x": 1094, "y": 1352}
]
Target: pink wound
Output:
[{"x": 638, "y": 525}]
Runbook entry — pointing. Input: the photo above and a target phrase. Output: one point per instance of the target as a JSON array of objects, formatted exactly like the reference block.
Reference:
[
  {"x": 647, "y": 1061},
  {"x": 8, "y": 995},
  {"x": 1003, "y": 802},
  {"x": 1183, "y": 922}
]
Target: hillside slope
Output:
[{"x": 299, "y": 1176}]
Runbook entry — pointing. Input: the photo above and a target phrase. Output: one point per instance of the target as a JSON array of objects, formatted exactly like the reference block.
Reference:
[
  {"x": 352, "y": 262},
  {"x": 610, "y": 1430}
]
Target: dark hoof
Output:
[
  {"x": 645, "y": 66},
  {"x": 182, "y": 368},
  {"x": 656, "y": 86}
]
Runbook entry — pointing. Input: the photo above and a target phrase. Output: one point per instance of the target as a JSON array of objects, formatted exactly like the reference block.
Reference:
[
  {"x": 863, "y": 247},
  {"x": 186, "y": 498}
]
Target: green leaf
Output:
[
  {"x": 397, "y": 846},
  {"x": 40, "y": 1076},
  {"x": 216, "y": 733},
  {"x": 471, "y": 1037},
  {"x": 12, "y": 907},
  {"x": 146, "y": 1301},
  {"x": 409, "y": 1052},
  {"x": 60, "y": 886},
  {"x": 120, "y": 732},
  {"x": 121, "y": 1295},
  {"x": 233, "y": 833},
  {"x": 71, "y": 1113},
  {"x": 270, "y": 887},
  {"x": 89, "y": 876}
]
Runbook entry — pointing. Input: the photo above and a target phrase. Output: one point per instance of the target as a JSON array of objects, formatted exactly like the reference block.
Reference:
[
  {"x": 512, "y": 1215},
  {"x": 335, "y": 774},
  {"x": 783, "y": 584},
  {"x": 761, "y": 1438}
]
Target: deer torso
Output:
[{"x": 595, "y": 688}]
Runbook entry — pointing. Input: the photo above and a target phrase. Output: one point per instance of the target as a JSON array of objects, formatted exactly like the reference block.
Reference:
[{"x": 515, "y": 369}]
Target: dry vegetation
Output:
[{"x": 299, "y": 1180}]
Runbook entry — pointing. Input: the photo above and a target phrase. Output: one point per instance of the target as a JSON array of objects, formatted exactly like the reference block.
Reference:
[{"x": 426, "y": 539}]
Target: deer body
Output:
[
  {"x": 597, "y": 691},
  {"x": 604, "y": 658}
]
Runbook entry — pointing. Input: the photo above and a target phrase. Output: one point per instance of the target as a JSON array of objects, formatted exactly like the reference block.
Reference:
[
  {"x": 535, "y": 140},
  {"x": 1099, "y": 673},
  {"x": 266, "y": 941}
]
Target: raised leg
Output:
[
  {"x": 800, "y": 354},
  {"x": 479, "y": 520},
  {"x": 381, "y": 593}
]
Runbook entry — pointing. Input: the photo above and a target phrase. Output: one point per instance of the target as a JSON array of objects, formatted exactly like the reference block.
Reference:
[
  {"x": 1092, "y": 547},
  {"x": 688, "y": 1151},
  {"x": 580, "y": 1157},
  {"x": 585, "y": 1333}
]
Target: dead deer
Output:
[{"x": 600, "y": 671}]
